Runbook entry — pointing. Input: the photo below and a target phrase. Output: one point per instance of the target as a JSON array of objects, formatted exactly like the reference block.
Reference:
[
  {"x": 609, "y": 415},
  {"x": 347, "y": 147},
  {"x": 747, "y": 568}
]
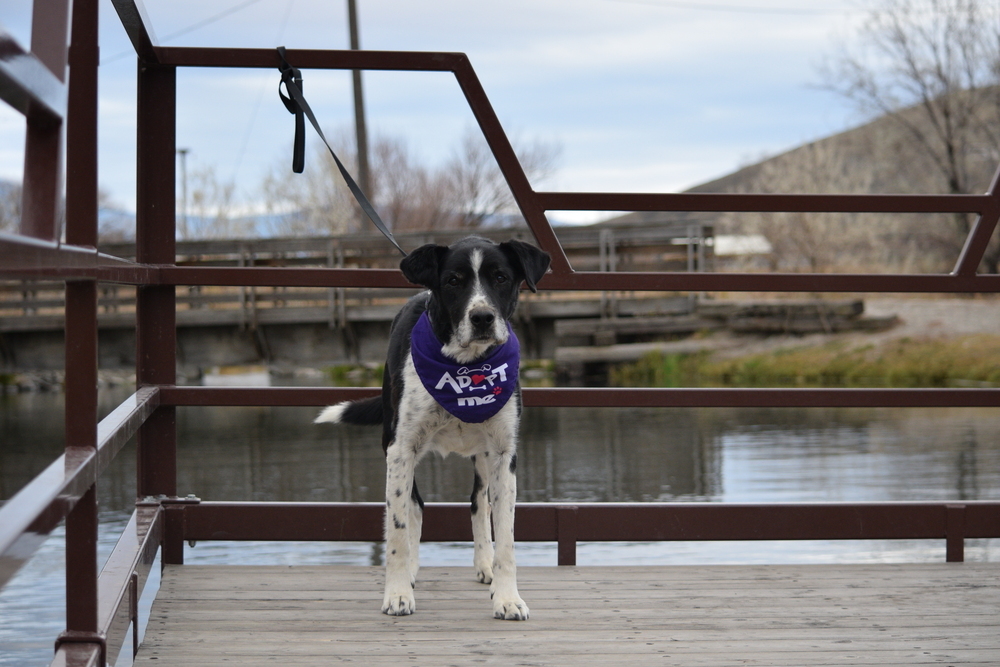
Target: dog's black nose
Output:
[{"x": 482, "y": 319}]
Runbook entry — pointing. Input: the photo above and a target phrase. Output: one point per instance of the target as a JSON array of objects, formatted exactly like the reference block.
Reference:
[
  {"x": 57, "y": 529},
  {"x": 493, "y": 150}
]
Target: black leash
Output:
[{"x": 296, "y": 104}]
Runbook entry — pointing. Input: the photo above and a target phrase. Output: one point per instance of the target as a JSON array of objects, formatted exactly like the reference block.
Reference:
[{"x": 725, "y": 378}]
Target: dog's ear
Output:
[
  {"x": 423, "y": 265},
  {"x": 532, "y": 262}
]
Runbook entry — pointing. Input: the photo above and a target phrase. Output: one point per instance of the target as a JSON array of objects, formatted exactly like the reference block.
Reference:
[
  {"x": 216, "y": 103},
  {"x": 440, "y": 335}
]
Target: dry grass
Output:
[{"x": 961, "y": 361}]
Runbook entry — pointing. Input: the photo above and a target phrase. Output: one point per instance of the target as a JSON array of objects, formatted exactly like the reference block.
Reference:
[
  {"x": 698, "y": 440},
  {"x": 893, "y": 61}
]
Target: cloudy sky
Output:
[{"x": 641, "y": 95}]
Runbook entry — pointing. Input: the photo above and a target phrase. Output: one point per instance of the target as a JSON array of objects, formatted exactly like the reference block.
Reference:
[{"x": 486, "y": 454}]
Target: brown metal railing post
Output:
[
  {"x": 43, "y": 140},
  {"x": 156, "y": 338},
  {"x": 133, "y": 610},
  {"x": 173, "y": 534},
  {"x": 509, "y": 165},
  {"x": 566, "y": 535},
  {"x": 81, "y": 128},
  {"x": 82, "y": 623},
  {"x": 955, "y": 532},
  {"x": 81, "y": 574},
  {"x": 81, "y": 440},
  {"x": 982, "y": 231}
]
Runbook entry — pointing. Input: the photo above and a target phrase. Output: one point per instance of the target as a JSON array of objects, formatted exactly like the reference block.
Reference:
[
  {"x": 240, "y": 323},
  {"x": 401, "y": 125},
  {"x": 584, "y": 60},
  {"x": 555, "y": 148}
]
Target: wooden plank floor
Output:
[{"x": 940, "y": 614}]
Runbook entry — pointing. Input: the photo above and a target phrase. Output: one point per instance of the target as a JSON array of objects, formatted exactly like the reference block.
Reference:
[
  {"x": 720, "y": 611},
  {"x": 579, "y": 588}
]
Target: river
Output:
[{"x": 566, "y": 454}]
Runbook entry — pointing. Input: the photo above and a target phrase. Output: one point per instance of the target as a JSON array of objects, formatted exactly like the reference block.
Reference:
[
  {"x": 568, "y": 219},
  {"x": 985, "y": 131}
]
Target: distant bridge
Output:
[{"x": 220, "y": 326}]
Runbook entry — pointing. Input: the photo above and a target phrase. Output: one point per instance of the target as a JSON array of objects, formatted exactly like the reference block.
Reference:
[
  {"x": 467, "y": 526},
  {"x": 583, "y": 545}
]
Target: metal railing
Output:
[{"x": 100, "y": 607}]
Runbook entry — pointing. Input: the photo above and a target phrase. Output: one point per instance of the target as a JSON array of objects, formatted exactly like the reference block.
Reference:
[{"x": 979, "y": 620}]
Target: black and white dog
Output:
[{"x": 452, "y": 365}]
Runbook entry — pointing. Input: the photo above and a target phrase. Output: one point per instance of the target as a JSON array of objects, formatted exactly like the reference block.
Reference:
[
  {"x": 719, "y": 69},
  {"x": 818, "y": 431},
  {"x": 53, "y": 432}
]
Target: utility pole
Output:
[
  {"x": 364, "y": 180},
  {"x": 184, "y": 192}
]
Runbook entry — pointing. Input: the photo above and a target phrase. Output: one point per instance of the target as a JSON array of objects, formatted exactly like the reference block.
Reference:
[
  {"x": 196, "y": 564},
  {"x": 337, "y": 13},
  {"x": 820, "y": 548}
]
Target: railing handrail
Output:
[
  {"x": 318, "y": 245},
  {"x": 570, "y": 522},
  {"x": 31, "y": 514}
]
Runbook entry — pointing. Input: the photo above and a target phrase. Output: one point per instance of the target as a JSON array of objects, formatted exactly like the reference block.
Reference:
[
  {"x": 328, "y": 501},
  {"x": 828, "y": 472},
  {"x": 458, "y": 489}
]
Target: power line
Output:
[
  {"x": 210, "y": 20},
  {"x": 191, "y": 28}
]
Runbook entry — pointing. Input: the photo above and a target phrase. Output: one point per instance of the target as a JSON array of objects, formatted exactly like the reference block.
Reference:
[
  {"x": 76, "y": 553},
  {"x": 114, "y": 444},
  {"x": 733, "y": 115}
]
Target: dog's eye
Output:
[
  {"x": 453, "y": 281},
  {"x": 500, "y": 278}
]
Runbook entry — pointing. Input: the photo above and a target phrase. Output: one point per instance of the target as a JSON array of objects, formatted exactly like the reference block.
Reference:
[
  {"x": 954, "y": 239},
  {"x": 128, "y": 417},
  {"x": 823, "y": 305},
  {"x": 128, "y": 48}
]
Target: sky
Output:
[{"x": 639, "y": 95}]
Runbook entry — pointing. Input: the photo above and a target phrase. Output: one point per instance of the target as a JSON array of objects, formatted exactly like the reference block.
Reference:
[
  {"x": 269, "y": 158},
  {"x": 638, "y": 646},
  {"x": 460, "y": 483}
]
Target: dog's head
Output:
[{"x": 474, "y": 286}]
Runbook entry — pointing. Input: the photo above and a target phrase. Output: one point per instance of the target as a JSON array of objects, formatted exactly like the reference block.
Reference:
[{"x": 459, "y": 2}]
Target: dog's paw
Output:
[
  {"x": 484, "y": 574},
  {"x": 400, "y": 603},
  {"x": 511, "y": 609}
]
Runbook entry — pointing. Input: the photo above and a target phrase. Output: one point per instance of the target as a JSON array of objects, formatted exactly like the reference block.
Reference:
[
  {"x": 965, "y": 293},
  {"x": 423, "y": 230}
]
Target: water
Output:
[{"x": 732, "y": 455}]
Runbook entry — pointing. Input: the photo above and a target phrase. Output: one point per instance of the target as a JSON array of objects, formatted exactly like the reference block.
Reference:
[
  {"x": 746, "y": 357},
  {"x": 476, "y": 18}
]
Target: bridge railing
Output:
[
  {"x": 33, "y": 305},
  {"x": 100, "y": 607}
]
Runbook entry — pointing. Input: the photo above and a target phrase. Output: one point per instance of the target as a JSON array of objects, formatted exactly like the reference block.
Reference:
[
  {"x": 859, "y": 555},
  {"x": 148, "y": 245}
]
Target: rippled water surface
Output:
[{"x": 732, "y": 455}]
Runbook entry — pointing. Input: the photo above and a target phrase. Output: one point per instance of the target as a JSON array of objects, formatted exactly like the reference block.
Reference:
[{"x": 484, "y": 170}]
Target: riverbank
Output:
[
  {"x": 937, "y": 343},
  {"x": 966, "y": 361}
]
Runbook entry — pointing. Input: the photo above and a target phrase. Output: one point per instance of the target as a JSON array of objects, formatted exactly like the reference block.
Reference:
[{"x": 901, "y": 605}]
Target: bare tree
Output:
[
  {"x": 466, "y": 192},
  {"x": 114, "y": 224},
  {"x": 10, "y": 206},
  {"x": 874, "y": 158},
  {"x": 933, "y": 68},
  {"x": 212, "y": 210},
  {"x": 409, "y": 196},
  {"x": 477, "y": 188},
  {"x": 318, "y": 201},
  {"x": 815, "y": 242},
  {"x": 314, "y": 202}
]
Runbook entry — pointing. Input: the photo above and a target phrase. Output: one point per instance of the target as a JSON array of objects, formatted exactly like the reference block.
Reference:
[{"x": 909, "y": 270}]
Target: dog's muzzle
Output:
[{"x": 483, "y": 323}]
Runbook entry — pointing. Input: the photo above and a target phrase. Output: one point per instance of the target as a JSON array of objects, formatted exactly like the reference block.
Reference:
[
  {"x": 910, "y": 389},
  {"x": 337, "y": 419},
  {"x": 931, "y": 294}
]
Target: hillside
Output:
[
  {"x": 877, "y": 157},
  {"x": 881, "y": 156}
]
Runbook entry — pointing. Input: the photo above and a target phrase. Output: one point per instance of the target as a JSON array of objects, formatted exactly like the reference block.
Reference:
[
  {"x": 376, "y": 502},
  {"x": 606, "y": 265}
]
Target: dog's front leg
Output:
[
  {"x": 482, "y": 538},
  {"x": 414, "y": 528},
  {"x": 507, "y": 603},
  {"x": 400, "y": 462}
]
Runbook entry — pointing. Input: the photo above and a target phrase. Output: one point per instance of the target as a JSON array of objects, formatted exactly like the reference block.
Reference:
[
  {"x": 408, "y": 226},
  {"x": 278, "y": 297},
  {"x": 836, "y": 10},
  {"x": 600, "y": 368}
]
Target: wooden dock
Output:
[{"x": 801, "y": 615}]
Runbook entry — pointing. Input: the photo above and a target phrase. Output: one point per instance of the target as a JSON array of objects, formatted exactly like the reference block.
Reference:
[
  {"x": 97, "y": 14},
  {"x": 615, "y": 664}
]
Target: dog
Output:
[{"x": 451, "y": 385}]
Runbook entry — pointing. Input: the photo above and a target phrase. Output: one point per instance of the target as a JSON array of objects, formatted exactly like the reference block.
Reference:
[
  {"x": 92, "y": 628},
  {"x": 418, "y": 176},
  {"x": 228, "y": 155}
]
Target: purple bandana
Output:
[{"x": 473, "y": 392}]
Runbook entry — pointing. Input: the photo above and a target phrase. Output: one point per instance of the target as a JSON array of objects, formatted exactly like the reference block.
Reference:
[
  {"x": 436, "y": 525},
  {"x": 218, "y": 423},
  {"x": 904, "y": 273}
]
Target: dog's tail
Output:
[{"x": 366, "y": 412}]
